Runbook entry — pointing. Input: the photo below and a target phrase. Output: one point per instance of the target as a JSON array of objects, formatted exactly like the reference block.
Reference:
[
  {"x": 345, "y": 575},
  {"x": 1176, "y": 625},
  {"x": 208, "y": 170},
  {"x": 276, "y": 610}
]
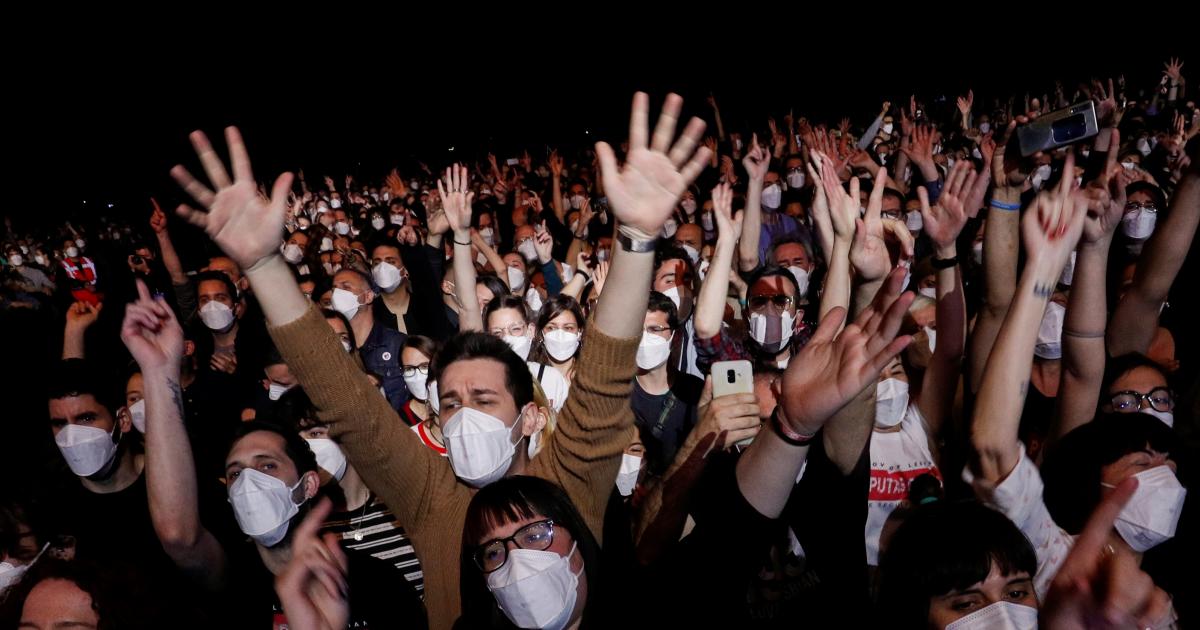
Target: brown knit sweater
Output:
[{"x": 582, "y": 455}]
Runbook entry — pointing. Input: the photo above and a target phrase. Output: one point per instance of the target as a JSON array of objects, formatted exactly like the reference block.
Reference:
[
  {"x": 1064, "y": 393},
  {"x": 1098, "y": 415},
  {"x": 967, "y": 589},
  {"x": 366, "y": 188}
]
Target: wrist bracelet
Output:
[
  {"x": 786, "y": 434},
  {"x": 638, "y": 245},
  {"x": 944, "y": 263},
  {"x": 1000, "y": 205}
]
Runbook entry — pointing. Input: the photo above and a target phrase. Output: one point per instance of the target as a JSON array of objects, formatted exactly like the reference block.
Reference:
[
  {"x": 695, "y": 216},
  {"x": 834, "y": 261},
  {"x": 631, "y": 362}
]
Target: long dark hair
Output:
[
  {"x": 554, "y": 307},
  {"x": 509, "y": 500}
]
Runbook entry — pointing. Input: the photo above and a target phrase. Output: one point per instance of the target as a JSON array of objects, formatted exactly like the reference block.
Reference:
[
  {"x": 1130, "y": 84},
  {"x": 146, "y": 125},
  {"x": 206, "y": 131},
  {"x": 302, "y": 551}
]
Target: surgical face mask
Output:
[
  {"x": 335, "y": 203},
  {"x": 377, "y": 223},
  {"x": 576, "y": 202},
  {"x": 772, "y": 332},
  {"x": 326, "y": 244},
  {"x": 86, "y": 449},
  {"x": 275, "y": 391},
  {"x": 669, "y": 228},
  {"x": 999, "y": 616},
  {"x": 25, "y": 249},
  {"x": 1139, "y": 224},
  {"x": 519, "y": 344},
  {"x": 1152, "y": 513},
  {"x": 627, "y": 475},
  {"x": 772, "y": 197},
  {"x": 263, "y": 506},
  {"x": 985, "y": 127},
  {"x": 929, "y": 292},
  {"x": 1049, "y": 338},
  {"x": 1068, "y": 272},
  {"x": 345, "y": 303},
  {"x": 41, "y": 260},
  {"x": 560, "y": 344},
  {"x": 346, "y": 345},
  {"x": 16, "y": 260},
  {"x": 673, "y": 294},
  {"x": 795, "y": 180},
  {"x": 396, "y": 219},
  {"x": 1167, "y": 417},
  {"x": 1143, "y": 146},
  {"x": 72, "y": 252},
  {"x": 479, "y": 446},
  {"x": 137, "y": 413},
  {"x": 342, "y": 228},
  {"x": 79, "y": 243},
  {"x": 653, "y": 351},
  {"x": 528, "y": 250},
  {"x": 292, "y": 253},
  {"x": 418, "y": 385},
  {"x": 914, "y": 221},
  {"x": 1040, "y": 175},
  {"x": 800, "y": 274},
  {"x": 516, "y": 278},
  {"x": 706, "y": 221},
  {"x": 891, "y": 401},
  {"x": 692, "y": 253},
  {"x": 386, "y": 276},
  {"x": 10, "y": 574},
  {"x": 888, "y": 128},
  {"x": 216, "y": 316},
  {"x": 533, "y": 299},
  {"x": 536, "y": 589},
  {"x": 931, "y": 334},
  {"x": 977, "y": 252},
  {"x": 488, "y": 235},
  {"x": 1129, "y": 166},
  {"x": 688, "y": 205},
  {"x": 330, "y": 457}
]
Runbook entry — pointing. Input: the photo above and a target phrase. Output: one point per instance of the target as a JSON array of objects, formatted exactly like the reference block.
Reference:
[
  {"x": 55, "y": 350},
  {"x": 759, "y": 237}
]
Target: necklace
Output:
[{"x": 358, "y": 536}]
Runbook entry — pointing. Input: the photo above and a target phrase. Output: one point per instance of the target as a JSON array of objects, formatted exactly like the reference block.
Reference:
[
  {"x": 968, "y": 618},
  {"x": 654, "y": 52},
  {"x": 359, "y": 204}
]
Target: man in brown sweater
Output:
[{"x": 421, "y": 487}]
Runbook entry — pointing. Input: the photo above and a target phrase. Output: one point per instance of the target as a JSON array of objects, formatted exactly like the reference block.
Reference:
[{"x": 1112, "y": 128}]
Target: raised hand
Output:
[
  {"x": 729, "y": 226},
  {"x": 757, "y": 160},
  {"x": 456, "y": 200},
  {"x": 158, "y": 218},
  {"x": 313, "y": 587},
  {"x": 543, "y": 243},
  {"x": 868, "y": 252},
  {"x": 81, "y": 315},
  {"x": 829, "y": 372},
  {"x": 151, "y": 332},
  {"x": 1106, "y": 199},
  {"x": 730, "y": 419},
  {"x": 643, "y": 192},
  {"x": 599, "y": 276},
  {"x": 1007, "y": 171},
  {"x": 329, "y": 184},
  {"x": 965, "y": 103},
  {"x": 844, "y": 209},
  {"x": 395, "y": 184},
  {"x": 945, "y": 220},
  {"x": 245, "y": 226},
  {"x": 1106, "y": 102},
  {"x": 920, "y": 148},
  {"x": 226, "y": 363},
  {"x": 1051, "y": 228},
  {"x": 556, "y": 163},
  {"x": 1174, "y": 70}
]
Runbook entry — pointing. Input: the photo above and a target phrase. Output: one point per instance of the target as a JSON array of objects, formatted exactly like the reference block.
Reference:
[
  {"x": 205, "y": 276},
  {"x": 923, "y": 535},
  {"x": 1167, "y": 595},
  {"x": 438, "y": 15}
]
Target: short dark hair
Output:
[
  {"x": 943, "y": 547},
  {"x": 667, "y": 250},
  {"x": 770, "y": 271},
  {"x": 1160, "y": 198},
  {"x": 422, "y": 344},
  {"x": 663, "y": 304},
  {"x": 294, "y": 411},
  {"x": 79, "y": 377},
  {"x": 294, "y": 446},
  {"x": 501, "y": 302},
  {"x": 329, "y": 313},
  {"x": 1124, "y": 364},
  {"x": 218, "y": 276},
  {"x": 382, "y": 242},
  {"x": 477, "y": 345},
  {"x": 493, "y": 284},
  {"x": 1072, "y": 468},
  {"x": 101, "y": 585}
]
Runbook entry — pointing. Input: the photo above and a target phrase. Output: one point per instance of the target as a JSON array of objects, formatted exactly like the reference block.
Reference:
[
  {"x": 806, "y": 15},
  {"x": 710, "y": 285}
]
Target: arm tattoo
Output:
[
  {"x": 1043, "y": 290},
  {"x": 176, "y": 397}
]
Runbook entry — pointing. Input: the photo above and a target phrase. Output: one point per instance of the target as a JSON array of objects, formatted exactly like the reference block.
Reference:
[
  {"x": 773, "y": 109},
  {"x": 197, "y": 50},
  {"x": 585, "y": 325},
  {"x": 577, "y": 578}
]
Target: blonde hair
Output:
[{"x": 543, "y": 404}]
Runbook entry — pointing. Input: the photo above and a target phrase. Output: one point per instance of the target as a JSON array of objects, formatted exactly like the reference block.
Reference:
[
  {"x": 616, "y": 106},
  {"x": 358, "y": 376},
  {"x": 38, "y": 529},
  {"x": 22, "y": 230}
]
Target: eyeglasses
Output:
[
  {"x": 411, "y": 370},
  {"x": 516, "y": 330},
  {"x": 535, "y": 537},
  {"x": 1160, "y": 399},
  {"x": 658, "y": 330},
  {"x": 779, "y": 299},
  {"x": 1148, "y": 206}
]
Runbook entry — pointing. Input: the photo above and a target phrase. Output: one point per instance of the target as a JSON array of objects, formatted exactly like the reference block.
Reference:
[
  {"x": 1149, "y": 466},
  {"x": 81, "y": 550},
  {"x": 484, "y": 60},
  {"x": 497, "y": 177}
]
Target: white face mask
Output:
[
  {"x": 931, "y": 333},
  {"x": 1143, "y": 146},
  {"x": 479, "y": 446},
  {"x": 536, "y": 589},
  {"x": 137, "y": 413},
  {"x": 79, "y": 243},
  {"x": 326, "y": 244},
  {"x": 1152, "y": 513},
  {"x": 263, "y": 506},
  {"x": 669, "y": 228},
  {"x": 292, "y": 253},
  {"x": 1049, "y": 339},
  {"x": 692, "y": 252},
  {"x": 386, "y": 276},
  {"x": 706, "y": 221},
  {"x": 772, "y": 196},
  {"x": 396, "y": 219},
  {"x": 72, "y": 252},
  {"x": 985, "y": 127},
  {"x": 1040, "y": 175},
  {"x": 342, "y": 228},
  {"x": 516, "y": 279},
  {"x": 335, "y": 203},
  {"x": 914, "y": 221},
  {"x": 999, "y": 616},
  {"x": 673, "y": 295},
  {"x": 1167, "y": 417},
  {"x": 488, "y": 235},
  {"x": 929, "y": 292},
  {"x": 1068, "y": 272},
  {"x": 688, "y": 205},
  {"x": 800, "y": 274},
  {"x": 602, "y": 255},
  {"x": 345, "y": 303},
  {"x": 888, "y": 128},
  {"x": 41, "y": 260},
  {"x": 346, "y": 345},
  {"x": 417, "y": 385},
  {"x": 1139, "y": 224},
  {"x": 275, "y": 391},
  {"x": 1129, "y": 166},
  {"x": 977, "y": 252},
  {"x": 216, "y": 316},
  {"x": 763, "y": 330},
  {"x": 533, "y": 299},
  {"x": 25, "y": 249},
  {"x": 10, "y": 574},
  {"x": 891, "y": 401},
  {"x": 520, "y": 345},
  {"x": 377, "y": 223},
  {"x": 653, "y": 351},
  {"x": 561, "y": 344},
  {"x": 528, "y": 250},
  {"x": 16, "y": 260},
  {"x": 576, "y": 202},
  {"x": 330, "y": 457},
  {"x": 795, "y": 181},
  {"x": 86, "y": 449},
  {"x": 627, "y": 475}
]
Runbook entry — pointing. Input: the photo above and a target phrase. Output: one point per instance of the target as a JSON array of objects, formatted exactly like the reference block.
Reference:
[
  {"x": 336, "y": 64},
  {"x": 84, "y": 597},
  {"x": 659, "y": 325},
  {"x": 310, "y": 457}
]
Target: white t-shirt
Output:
[
  {"x": 553, "y": 383},
  {"x": 896, "y": 459}
]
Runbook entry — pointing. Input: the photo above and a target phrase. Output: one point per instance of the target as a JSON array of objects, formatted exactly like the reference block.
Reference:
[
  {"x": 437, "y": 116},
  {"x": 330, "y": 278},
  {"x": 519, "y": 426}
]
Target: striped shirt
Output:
[{"x": 381, "y": 537}]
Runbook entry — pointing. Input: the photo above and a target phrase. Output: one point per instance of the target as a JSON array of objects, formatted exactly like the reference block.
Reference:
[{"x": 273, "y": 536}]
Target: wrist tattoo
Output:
[
  {"x": 176, "y": 397},
  {"x": 1043, "y": 290}
]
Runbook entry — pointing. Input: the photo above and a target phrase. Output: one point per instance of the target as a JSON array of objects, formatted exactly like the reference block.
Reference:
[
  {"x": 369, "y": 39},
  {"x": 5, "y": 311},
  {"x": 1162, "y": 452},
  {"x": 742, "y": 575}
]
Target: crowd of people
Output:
[{"x": 798, "y": 375}]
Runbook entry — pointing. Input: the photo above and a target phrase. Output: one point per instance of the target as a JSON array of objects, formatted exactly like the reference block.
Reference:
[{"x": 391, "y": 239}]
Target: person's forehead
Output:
[
  {"x": 413, "y": 356},
  {"x": 59, "y": 603},
  {"x": 671, "y": 265},
  {"x": 1141, "y": 196},
  {"x": 385, "y": 251},
  {"x": 255, "y": 444},
  {"x": 794, "y": 162},
  {"x": 70, "y": 406},
  {"x": 564, "y": 318},
  {"x": 134, "y": 384},
  {"x": 468, "y": 375},
  {"x": 688, "y": 232},
  {"x": 505, "y": 316},
  {"x": 212, "y": 289},
  {"x": 1141, "y": 378},
  {"x": 508, "y": 528},
  {"x": 890, "y": 202},
  {"x": 789, "y": 251},
  {"x": 514, "y": 260},
  {"x": 656, "y": 318},
  {"x": 524, "y": 230},
  {"x": 337, "y": 325},
  {"x": 347, "y": 277},
  {"x": 770, "y": 284}
]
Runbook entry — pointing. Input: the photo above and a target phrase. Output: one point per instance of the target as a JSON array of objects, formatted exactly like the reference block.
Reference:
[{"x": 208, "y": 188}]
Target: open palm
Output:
[
  {"x": 945, "y": 220},
  {"x": 244, "y": 225},
  {"x": 456, "y": 201}
]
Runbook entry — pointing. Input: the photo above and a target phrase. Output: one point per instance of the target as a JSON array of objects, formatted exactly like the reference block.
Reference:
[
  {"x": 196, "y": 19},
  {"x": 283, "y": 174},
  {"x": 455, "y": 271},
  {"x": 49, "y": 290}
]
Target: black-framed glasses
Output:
[
  {"x": 1160, "y": 399},
  {"x": 779, "y": 299},
  {"x": 493, "y": 554},
  {"x": 411, "y": 370},
  {"x": 1148, "y": 206}
]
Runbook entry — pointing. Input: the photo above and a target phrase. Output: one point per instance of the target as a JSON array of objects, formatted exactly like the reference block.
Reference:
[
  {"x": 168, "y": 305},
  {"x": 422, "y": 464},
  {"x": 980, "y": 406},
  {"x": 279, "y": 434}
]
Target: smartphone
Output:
[
  {"x": 733, "y": 377},
  {"x": 1058, "y": 128},
  {"x": 512, "y": 161}
]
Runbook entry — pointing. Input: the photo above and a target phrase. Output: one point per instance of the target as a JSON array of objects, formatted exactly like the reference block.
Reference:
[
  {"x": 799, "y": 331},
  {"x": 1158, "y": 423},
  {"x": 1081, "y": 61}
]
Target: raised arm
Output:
[
  {"x": 155, "y": 339},
  {"x": 556, "y": 167},
  {"x": 456, "y": 202},
  {"x": 843, "y": 211},
  {"x": 1051, "y": 229},
  {"x": 756, "y": 162},
  {"x": 170, "y": 258},
  {"x": 710, "y": 307},
  {"x": 80, "y": 317}
]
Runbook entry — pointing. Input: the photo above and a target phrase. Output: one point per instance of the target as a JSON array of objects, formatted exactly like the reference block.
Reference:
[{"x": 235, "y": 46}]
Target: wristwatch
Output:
[{"x": 638, "y": 246}]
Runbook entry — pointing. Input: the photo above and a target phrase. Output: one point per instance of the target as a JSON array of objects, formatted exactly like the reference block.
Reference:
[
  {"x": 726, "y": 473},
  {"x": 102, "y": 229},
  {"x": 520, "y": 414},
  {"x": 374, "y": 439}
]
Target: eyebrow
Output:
[{"x": 259, "y": 457}]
